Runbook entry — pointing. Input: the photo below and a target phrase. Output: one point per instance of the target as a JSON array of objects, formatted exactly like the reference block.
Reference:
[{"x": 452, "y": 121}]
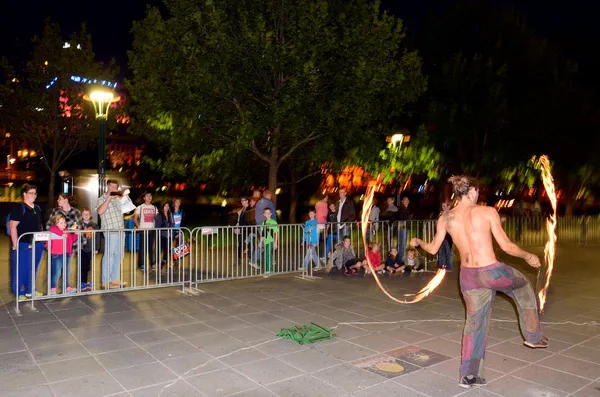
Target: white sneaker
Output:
[
  {"x": 267, "y": 275},
  {"x": 254, "y": 265}
]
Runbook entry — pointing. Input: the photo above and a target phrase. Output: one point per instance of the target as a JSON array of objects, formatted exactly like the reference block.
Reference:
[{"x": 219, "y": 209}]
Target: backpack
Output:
[{"x": 35, "y": 208}]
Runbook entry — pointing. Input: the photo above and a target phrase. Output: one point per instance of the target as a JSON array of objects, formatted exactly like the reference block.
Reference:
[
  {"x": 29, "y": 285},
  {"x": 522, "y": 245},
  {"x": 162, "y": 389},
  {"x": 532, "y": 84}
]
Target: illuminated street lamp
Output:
[
  {"x": 101, "y": 98},
  {"x": 397, "y": 138}
]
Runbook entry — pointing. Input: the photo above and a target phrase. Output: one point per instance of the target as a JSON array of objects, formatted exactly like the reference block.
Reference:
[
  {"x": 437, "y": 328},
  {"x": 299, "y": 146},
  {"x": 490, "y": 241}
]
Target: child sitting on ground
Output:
[
  {"x": 344, "y": 257},
  {"x": 393, "y": 263},
  {"x": 61, "y": 249},
  {"x": 374, "y": 257},
  {"x": 411, "y": 261}
]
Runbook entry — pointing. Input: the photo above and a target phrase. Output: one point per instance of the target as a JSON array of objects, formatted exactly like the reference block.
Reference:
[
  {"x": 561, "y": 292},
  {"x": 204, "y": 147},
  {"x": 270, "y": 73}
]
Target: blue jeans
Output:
[
  {"x": 330, "y": 239},
  {"x": 402, "y": 240},
  {"x": 311, "y": 256},
  {"x": 23, "y": 265},
  {"x": 56, "y": 268},
  {"x": 113, "y": 255},
  {"x": 445, "y": 256},
  {"x": 250, "y": 241}
]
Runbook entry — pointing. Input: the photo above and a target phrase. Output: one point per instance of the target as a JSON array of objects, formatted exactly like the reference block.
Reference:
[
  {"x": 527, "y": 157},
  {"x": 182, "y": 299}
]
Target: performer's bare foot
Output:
[{"x": 541, "y": 344}]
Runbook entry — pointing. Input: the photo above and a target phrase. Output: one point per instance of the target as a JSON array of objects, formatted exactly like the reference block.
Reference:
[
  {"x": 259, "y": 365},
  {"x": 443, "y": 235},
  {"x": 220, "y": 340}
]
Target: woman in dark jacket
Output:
[{"x": 164, "y": 219}]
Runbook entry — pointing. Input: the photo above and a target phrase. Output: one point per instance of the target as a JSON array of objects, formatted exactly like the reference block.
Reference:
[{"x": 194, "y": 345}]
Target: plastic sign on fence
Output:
[
  {"x": 41, "y": 236},
  {"x": 208, "y": 230},
  {"x": 181, "y": 251}
]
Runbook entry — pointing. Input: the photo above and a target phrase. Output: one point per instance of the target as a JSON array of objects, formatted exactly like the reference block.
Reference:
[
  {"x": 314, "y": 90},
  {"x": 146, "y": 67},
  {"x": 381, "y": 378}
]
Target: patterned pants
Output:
[{"x": 479, "y": 286}]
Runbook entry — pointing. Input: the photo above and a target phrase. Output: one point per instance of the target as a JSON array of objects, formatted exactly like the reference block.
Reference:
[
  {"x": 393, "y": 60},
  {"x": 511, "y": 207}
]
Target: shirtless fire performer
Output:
[{"x": 471, "y": 227}]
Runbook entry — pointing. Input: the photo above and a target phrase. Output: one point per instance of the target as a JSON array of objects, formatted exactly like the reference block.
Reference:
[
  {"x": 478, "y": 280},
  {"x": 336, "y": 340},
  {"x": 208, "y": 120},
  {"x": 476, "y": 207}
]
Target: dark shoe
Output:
[
  {"x": 470, "y": 381},
  {"x": 541, "y": 344}
]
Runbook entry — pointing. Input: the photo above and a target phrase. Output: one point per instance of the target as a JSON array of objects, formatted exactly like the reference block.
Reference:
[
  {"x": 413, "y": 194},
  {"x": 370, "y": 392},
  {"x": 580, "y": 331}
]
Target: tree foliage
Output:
[
  {"x": 43, "y": 108},
  {"x": 399, "y": 162},
  {"x": 222, "y": 84}
]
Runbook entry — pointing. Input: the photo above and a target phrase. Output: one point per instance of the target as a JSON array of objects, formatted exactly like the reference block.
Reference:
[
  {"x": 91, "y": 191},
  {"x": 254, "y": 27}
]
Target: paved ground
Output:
[{"x": 222, "y": 342}]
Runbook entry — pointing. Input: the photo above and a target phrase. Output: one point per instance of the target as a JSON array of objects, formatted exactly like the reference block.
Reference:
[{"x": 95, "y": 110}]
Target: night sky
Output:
[{"x": 572, "y": 25}]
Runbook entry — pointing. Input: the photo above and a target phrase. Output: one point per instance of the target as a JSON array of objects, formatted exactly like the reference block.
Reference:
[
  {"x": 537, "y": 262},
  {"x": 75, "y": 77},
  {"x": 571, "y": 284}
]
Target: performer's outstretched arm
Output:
[{"x": 434, "y": 246}]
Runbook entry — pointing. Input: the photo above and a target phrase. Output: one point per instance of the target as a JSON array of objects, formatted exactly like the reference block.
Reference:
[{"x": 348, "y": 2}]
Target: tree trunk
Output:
[
  {"x": 273, "y": 168},
  {"x": 293, "y": 196},
  {"x": 51, "y": 197}
]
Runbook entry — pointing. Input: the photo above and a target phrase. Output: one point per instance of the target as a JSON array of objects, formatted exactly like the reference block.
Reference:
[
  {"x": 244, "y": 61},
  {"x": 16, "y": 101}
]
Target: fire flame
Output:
[
  {"x": 550, "y": 248},
  {"x": 435, "y": 281}
]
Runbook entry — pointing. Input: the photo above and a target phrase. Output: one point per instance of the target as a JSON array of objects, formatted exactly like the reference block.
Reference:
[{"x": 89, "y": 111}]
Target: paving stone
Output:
[
  {"x": 74, "y": 368},
  {"x": 95, "y": 385},
  {"x": 310, "y": 360},
  {"x": 551, "y": 378},
  {"x": 267, "y": 371},
  {"x": 427, "y": 382},
  {"x": 124, "y": 358},
  {"x": 349, "y": 377},
  {"x": 305, "y": 386},
  {"x": 515, "y": 387},
  {"x": 221, "y": 383},
  {"x": 143, "y": 375}
]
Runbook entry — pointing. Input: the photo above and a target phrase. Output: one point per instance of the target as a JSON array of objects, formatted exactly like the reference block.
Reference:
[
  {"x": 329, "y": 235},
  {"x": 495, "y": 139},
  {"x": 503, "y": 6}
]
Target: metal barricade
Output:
[
  {"x": 531, "y": 231},
  {"x": 86, "y": 268},
  {"x": 335, "y": 232},
  {"x": 235, "y": 252},
  {"x": 185, "y": 258},
  {"x": 401, "y": 232}
]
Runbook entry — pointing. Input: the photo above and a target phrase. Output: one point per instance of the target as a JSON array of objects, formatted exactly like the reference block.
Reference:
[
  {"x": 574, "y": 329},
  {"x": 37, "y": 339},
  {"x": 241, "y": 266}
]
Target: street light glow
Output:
[
  {"x": 102, "y": 96},
  {"x": 101, "y": 99},
  {"x": 397, "y": 138}
]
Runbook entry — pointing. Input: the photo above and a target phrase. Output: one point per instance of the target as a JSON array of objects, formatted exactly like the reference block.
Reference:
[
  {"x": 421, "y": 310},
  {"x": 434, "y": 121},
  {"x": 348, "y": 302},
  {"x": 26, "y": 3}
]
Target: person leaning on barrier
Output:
[
  {"x": 179, "y": 220},
  {"x": 110, "y": 210},
  {"x": 164, "y": 220},
  {"x": 90, "y": 245},
  {"x": 25, "y": 217},
  {"x": 145, "y": 218},
  {"x": 346, "y": 212},
  {"x": 265, "y": 202}
]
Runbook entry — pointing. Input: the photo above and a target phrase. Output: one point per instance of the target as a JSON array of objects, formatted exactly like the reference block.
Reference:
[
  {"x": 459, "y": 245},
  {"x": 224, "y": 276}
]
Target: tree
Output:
[
  {"x": 44, "y": 108},
  {"x": 400, "y": 162},
  {"x": 221, "y": 81}
]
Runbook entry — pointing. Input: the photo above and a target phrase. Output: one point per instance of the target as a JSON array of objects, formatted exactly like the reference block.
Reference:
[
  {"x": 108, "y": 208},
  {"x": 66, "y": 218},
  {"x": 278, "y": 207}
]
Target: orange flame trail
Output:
[
  {"x": 432, "y": 285},
  {"x": 550, "y": 248}
]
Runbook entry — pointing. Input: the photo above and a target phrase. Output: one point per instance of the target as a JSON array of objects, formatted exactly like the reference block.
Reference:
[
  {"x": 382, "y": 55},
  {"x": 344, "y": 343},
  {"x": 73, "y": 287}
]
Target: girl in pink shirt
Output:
[{"x": 61, "y": 247}]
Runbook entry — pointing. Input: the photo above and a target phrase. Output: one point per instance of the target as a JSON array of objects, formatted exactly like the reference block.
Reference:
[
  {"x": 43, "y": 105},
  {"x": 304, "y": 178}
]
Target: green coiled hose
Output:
[{"x": 305, "y": 334}]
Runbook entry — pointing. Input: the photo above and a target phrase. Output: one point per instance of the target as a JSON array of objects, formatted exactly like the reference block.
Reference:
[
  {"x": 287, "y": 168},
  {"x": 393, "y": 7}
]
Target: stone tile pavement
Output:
[{"x": 222, "y": 342}]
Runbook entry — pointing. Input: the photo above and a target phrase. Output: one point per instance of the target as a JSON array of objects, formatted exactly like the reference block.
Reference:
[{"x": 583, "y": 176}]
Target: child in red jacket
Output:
[
  {"x": 374, "y": 257},
  {"x": 61, "y": 249}
]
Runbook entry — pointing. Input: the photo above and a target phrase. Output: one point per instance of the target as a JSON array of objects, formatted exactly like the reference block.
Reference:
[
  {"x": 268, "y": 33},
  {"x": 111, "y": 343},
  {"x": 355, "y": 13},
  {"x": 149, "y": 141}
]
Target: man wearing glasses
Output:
[{"x": 25, "y": 217}]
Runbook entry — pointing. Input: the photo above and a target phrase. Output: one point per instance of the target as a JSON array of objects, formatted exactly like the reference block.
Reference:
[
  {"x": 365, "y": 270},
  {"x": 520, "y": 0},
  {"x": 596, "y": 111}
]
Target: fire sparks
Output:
[
  {"x": 432, "y": 285},
  {"x": 550, "y": 248}
]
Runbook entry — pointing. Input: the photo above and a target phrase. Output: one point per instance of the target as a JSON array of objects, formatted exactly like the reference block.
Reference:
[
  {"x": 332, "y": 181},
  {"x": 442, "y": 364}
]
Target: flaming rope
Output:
[
  {"x": 550, "y": 248},
  {"x": 432, "y": 285}
]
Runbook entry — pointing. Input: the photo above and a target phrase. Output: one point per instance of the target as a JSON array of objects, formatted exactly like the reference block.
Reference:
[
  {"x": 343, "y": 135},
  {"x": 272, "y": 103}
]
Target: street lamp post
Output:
[{"x": 101, "y": 99}]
